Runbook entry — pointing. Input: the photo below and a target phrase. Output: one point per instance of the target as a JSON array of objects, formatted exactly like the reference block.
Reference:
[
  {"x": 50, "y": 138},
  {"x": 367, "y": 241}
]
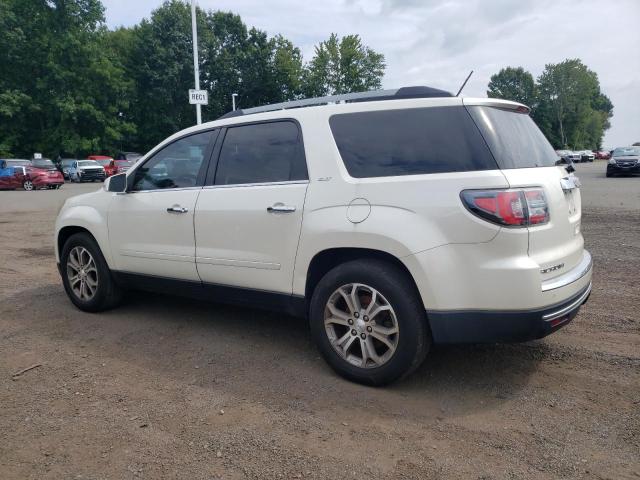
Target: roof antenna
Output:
[{"x": 465, "y": 82}]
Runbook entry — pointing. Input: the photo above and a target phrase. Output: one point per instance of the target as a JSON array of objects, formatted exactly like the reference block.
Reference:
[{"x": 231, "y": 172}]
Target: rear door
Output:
[
  {"x": 528, "y": 160},
  {"x": 249, "y": 215}
]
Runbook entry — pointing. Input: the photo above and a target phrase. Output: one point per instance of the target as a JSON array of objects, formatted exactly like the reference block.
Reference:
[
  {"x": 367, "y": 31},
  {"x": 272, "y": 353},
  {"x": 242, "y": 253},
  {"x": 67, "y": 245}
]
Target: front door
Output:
[
  {"x": 151, "y": 226},
  {"x": 248, "y": 217}
]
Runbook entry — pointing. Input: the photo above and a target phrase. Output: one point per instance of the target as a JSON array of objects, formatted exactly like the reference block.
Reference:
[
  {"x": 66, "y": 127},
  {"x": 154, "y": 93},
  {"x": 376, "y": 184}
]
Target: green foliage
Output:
[
  {"x": 514, "y": 84},
  {"x": 343, "y": 66},
  {"x": 60, "y": 92},
  {"x": 71, "y": 87},
  {"x": 567, "y": 103}
]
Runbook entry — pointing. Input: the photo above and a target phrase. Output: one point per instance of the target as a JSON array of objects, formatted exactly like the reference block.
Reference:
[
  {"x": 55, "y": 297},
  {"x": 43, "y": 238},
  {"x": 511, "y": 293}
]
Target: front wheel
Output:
[
  {"x": 86, "y": 275},
  {"x": 369, "y": 323},
  {"x": 28, "y": 185}
]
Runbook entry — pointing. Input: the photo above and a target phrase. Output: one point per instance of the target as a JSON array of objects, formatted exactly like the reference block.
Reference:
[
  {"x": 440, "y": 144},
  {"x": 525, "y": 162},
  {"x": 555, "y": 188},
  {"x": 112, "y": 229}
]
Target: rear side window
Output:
[
  {"x": 410, "y": 142},
  {"x": 261, "y": 153},
  {"x": 515, "y": 140}
]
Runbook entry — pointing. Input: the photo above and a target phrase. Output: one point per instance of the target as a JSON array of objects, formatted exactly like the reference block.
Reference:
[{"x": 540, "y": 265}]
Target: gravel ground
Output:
[{"x": 171, "y": 388}]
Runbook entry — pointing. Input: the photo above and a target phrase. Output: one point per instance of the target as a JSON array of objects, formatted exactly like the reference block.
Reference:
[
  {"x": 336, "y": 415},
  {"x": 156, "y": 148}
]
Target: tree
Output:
[
  {"x": 514, "y": 84},
  {"x": 343, "y": 66},
  {"x": 62, "y": 93},
  {"x": 574, "y": 110},
  {"x": 566, "y": 102}
]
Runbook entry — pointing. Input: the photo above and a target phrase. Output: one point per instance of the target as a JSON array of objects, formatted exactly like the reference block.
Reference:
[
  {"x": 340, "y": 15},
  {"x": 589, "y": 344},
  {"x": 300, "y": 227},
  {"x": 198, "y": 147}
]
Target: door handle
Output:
[
  {"x": 281, "y": 208},
  {"x": 177, "y": 209}
]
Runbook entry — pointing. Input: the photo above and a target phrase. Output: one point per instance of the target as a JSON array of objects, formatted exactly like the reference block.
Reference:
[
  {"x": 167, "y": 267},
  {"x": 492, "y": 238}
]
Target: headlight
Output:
[{"x": 612, "y": 161}]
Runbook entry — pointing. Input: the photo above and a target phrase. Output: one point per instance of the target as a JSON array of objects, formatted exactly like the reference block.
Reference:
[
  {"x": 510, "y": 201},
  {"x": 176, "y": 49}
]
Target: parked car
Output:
[
  {"x": 63, "y": 166},
  {"x": 86, "y": 171},
  {"x": 569, "y": 155},
  {"x": 105, "y": 162},
  {"x": 390, "y": 220},
  {"x": 586, "y": 156},
  {"x": 625, "y": 160},
  {"x": 602, "y": 155},
  {"x": 132, "y": 157},
  {"x": 122, "y": 166},
  {"x": 19, "y": 173}
]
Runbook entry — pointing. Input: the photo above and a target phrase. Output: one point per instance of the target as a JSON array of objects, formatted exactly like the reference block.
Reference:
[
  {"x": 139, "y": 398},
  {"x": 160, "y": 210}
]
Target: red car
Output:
[
  {"x": 122, "y": 165},
  {"x": 106, "y": 162},
  {"x": 602, "y": 155},
  {"x": 17, "y": 173}
]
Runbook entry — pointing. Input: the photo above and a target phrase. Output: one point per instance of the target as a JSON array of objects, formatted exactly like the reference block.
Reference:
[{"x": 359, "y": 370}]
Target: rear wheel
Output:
[
  {"x": 86, "y": 275},
  {"x": 28, "y": 185},
  {"x": 368, "y": 322}
]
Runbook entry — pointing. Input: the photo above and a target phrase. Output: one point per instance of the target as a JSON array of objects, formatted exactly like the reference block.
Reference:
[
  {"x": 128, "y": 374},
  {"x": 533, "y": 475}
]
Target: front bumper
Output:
[
  {"x": 623, "y": 168},
  {"x": 504, "y": 326}
]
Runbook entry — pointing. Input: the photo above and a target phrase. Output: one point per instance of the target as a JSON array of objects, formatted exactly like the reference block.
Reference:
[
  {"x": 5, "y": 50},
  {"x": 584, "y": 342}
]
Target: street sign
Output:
[
  {"x": 198, "y": 97},
  {"x": 37, "y": 156}
]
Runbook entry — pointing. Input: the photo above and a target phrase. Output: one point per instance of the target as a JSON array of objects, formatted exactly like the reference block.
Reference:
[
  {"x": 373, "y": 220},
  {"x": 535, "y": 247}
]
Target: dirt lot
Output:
[{"x": 171, "y": 388}]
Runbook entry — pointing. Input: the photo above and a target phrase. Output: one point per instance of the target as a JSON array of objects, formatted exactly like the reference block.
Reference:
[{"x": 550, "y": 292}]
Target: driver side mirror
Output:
[{"x": 117, "y": 183}]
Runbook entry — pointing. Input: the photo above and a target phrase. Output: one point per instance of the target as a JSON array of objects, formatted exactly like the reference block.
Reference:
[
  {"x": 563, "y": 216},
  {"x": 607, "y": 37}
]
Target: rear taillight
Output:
[{"x": 513, "y": 208}]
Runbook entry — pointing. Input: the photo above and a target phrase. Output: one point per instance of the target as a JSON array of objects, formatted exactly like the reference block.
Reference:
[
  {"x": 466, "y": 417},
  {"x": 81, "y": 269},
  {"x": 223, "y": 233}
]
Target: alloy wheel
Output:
[
  {"x": 82, "y": 273},
  {"x": 27, "y": 185},
  {"x": 361, "y": 325}
]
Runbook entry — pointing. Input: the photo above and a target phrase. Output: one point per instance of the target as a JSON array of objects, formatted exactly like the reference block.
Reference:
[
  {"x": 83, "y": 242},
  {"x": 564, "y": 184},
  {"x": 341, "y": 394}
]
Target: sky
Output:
[{"x": 437, "y": 42}]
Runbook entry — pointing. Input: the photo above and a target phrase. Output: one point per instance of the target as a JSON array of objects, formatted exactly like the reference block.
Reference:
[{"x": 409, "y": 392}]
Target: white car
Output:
[
  {"x": 391, "y": 220},
  {"x": 86, "y": 171}
]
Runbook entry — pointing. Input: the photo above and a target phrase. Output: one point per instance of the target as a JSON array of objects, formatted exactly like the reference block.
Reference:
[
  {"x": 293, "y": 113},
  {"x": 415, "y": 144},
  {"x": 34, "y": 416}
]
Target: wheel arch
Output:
[
  {"x": 83, "y": 219},
  {"x": 325, "y": 260}
]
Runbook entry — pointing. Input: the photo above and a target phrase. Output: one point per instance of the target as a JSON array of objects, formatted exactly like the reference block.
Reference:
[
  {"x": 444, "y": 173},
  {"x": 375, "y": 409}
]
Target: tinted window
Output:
[
  {"x": 514, "y": 138},
  {"x": 410, "y": 142},
  {"x": 265, "y": 152},
  {"x": 175, "y": 166}
]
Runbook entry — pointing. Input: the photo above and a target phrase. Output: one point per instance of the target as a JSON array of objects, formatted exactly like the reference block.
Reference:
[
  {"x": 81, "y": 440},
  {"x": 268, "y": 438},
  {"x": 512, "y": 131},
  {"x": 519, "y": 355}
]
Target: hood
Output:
[{"x": 90, "y": 167}]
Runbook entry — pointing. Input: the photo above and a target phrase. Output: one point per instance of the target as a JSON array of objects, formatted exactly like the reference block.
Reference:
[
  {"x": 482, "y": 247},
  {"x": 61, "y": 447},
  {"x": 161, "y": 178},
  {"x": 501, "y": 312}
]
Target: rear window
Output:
[
  {"x": 514, "y": 138},
  {"x": 410, "y": 142}
]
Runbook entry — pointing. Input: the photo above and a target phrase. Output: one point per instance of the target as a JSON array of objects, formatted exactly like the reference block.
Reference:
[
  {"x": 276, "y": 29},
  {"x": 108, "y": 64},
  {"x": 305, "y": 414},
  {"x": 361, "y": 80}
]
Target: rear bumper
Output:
[
  {"x": 485, "y": 326},
  {"x": 47, "y": 181}
]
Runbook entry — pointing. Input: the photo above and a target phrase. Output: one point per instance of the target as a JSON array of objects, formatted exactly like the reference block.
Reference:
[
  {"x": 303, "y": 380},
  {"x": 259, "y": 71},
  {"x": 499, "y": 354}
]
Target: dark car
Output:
[
  {"x": 129, "y": 156},
  {"x": 625, "y": 160},
  {"x": 63, "y": 166}
]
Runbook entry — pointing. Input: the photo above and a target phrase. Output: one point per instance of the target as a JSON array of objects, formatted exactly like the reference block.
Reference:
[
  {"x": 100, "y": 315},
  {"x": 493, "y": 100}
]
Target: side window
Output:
[
  {"x": 261, "y": 153},
  {"x": 175, "y": 166},
  {"x": 410, "y": 142}
]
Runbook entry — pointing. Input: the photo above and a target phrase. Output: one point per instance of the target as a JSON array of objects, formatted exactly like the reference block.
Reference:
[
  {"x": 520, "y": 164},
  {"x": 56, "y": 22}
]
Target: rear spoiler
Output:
[{"x": 497, "y": 103}]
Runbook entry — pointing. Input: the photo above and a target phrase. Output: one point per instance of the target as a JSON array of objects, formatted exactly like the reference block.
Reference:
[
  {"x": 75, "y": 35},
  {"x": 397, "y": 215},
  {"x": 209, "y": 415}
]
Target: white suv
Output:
[{"x": 391, "y": 220}]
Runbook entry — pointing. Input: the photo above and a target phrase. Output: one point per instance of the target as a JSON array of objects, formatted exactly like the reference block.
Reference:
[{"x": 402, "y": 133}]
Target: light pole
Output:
[
  {"x": 196, "y": 69},
  {"x": 233, "y": 101}
]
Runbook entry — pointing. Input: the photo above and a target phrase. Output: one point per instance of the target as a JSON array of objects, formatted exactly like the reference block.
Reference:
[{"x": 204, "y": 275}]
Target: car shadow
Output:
[{"x": 258, "y": 354}]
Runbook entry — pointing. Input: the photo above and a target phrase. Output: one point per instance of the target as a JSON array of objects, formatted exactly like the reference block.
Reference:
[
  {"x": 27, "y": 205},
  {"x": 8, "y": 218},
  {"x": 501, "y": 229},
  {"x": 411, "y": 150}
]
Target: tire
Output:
[
  {"x": 393, "y": 288},
  {"x": 609, "y": 174},
  {"x": 28, "y": 185},
  {"x": 106, "y": 293}
]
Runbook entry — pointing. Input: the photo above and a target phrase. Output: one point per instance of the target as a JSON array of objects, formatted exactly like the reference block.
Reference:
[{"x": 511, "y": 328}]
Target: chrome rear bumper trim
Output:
[{"x": 569, "y": 308}]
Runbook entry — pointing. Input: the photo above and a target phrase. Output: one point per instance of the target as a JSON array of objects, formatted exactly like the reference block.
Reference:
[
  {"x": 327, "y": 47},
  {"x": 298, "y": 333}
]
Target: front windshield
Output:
[
  {"x": 88, "y": 163},
  {"x": 104, "y": 162},
  {"x": 626, "y": 151},
  {"x": 44, "y": 162}
]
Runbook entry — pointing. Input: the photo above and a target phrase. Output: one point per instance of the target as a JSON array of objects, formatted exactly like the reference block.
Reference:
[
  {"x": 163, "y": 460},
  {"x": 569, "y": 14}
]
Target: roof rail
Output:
[{"x": 372, "y": 95}]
